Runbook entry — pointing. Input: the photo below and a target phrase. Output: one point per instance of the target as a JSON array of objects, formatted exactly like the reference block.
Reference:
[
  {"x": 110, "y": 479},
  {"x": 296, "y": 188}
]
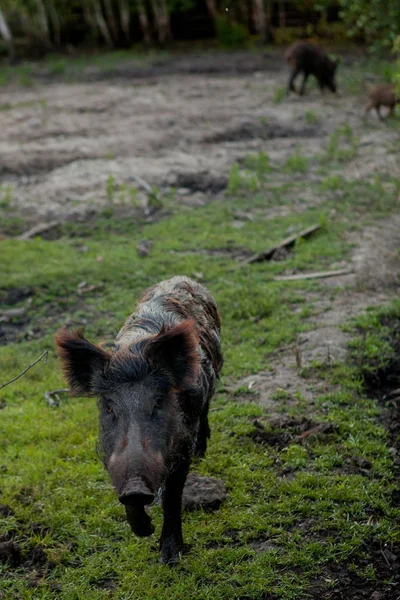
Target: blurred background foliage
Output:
[{"x": 30, "y": 28}]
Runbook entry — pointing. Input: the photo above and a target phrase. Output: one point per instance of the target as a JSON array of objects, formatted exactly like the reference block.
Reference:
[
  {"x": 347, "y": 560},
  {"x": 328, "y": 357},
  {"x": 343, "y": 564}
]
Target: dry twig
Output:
[
  {"x": 37, "y": 230},
  {"x": 318, "y": 275},
  {"x": 45, "y": 354},
  {"x": 286, "y": 243}
]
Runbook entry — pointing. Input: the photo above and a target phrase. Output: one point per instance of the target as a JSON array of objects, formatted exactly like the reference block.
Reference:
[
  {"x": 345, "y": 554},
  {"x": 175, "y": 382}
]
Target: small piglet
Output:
[
  {"x": 310, "y": 59},
  {"x": 382, "y": 95},
  {"x": 153, "y": 387}
]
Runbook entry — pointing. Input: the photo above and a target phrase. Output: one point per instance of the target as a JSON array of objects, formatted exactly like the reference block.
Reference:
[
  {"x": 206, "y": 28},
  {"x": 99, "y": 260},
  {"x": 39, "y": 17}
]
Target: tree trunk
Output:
[
  {"x": 102, "y": 24},
  {"x": 282, "y": 14},
  {"x": 55, "y": 21},
  {"x": 7, "y": 37},
  {"x": 260, "y": 19},
  {"x": 43, "y": 23},
  {"x": 162, "y": 20},
  {"x": 144, "y": 21},
  {"x": 212, "y": 8},
  {"x": 268, "y": 21},
  {"x": 111, "y": 19},
  {"x": 124, "y": 16}
]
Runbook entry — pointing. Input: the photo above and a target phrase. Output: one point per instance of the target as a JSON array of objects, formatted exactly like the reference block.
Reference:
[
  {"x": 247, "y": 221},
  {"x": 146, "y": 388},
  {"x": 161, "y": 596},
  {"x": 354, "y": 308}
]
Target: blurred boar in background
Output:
[
  {"x": 310, "y": 59},
  {"x": 153, "y": 387},
  {"x": 382, "y": 95}
]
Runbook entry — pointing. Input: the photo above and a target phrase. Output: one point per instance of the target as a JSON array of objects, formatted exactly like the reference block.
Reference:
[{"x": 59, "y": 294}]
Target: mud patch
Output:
[
  {"x": 286, "y": 430},
  {"x": 338, "y": 582},
  {"x": 28, "y": 325},
  {"x": 250, "y": 130},
  {"x": 37, "y": 163},
  {"x": 204, "y": 493},
  {"x": 202, "y": 181},
  {"x": 384, "y": 385}
]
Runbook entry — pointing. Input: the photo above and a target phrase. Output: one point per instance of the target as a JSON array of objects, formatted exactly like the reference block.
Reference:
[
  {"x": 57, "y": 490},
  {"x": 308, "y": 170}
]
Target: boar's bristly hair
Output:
[
  {"x": 176, "y": 351},
  {"x": 79, "y": 360}
]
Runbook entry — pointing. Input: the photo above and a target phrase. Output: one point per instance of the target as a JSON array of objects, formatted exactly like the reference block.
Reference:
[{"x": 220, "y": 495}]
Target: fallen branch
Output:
[
  {"x": 142, "y": 184},
  {"x": 37, "y": 230},
  {"x": 154, "y": 201},
  {"x": 53, "y": 399},
  {"x": 286, "y": 243},
  {"x": 6, "y": 315},
  {"x": 318, "y": 275},
  {"x": 45, "y": 354}
]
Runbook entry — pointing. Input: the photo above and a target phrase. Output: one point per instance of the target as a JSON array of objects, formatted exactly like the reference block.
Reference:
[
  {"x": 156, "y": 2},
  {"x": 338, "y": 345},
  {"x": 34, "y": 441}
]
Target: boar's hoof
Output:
[
  {"x": 170, "y": 552},
  {"x": 139, "y": 521},
  {"x": 136, "y": 493}
]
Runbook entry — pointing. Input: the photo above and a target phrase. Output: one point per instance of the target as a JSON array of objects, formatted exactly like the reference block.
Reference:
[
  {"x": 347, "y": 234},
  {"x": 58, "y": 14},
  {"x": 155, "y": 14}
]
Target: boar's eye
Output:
[
  {"x": 109, "y": 409},
  {"x": 157, "y": 404}
]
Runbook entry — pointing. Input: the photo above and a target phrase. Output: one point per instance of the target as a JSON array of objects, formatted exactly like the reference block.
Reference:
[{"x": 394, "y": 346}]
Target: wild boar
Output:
[
  {"x": 382, "y": 95},
  {"x": 310, "y": 59},
  {"x": 153, "y": 387}
]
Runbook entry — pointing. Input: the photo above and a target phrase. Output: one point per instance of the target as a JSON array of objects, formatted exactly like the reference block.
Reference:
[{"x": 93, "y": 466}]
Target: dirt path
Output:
[{"x": 60, "y": 142}]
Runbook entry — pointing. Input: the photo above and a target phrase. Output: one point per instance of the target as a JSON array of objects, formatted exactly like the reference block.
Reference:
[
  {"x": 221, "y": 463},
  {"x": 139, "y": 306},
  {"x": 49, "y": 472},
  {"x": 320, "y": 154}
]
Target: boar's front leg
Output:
[
  {"x": 171, "y": 541},
  {"x": 292, "y": 77},
  {"x": 303, "y": 84},
  {"x": 139, "y": 520}
]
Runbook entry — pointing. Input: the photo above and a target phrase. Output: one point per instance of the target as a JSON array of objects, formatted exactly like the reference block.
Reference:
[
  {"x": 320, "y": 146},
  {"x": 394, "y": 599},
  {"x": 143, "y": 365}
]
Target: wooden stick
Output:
[
  {"x": 143, "y": 184},
  {"x": 37, "y": 230},
  {"x": 286, "y": 243},
  {"x": 45, "y": 354},
  {"x": 318, "y": 275}
]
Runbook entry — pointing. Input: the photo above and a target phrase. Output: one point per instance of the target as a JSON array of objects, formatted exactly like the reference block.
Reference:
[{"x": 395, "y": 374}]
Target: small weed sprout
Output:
[
  {"x": 238, "y": 181},
  {"x": 133, "y": 195},
  {"x": 297, "y": 163},
  {"x": 111, "y": 187},
  {"x": 123, "y": 190},
  {"x": 311, "y": 118},
  {"x": 279, "y": 95},
  {"x": 342, "y": 145},
  {"x": 6, "y": 195},
  {"x": 234, "y": 180},
  {"x": 332, "y": 183},
  {"x": 260, "y": 163}
]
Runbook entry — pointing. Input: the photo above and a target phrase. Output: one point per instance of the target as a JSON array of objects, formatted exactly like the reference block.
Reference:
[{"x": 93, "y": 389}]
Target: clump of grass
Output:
[
  {"x": 111, "y": 187},
  {"x": 297, "y": 163},
  {"x": 342, "y": 145},
  {"x": 332, "y": 183},
  {"x": 6, "y": 196},
  {"x": 312, "y": 118},
  {"x": 234, "y": 179},
  {"x": 279, "y": 95},
  {"x": 260, "y": 163},
  {"x": 239, "y": 181}
]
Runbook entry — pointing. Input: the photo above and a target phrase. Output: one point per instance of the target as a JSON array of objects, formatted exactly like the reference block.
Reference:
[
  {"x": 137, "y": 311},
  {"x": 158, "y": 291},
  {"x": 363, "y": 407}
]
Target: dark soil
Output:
[
  {"x": 221, "y": 63},
  {"x": 340, "y": 583},
  {"x": 287, "y": 430},
  {"x": 201, "y": 181},
  {"x": 249, "y": 130},
  {"x": 384, "y": 386},
  {"x": 29, "y": 325}
]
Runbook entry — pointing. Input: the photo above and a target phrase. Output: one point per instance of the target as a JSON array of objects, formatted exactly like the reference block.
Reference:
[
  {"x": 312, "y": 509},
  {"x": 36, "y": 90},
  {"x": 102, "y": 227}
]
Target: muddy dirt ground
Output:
[{"x": 180, "y": 123}]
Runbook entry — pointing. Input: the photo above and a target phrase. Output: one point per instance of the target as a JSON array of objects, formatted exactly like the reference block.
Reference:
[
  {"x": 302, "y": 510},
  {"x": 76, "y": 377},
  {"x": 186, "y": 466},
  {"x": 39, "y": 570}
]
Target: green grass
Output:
[{"x": 290, "y": 512}]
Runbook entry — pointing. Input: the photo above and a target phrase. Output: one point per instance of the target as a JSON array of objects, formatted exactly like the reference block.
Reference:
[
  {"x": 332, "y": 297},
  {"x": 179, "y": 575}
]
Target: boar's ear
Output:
[
  {"x": 79, "y": 360},
  {"x": 175, "y": 350}
]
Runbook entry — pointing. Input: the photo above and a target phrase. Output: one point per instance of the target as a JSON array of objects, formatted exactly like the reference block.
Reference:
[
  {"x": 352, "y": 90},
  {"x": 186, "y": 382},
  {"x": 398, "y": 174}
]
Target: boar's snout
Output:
[{"x": 135, "y": 492}]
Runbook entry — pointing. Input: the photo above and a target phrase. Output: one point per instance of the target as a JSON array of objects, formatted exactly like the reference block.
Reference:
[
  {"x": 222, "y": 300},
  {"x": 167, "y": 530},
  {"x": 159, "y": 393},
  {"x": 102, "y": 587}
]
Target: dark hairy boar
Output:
[
  {"x": 153, "y": 387},
  {"x": 382, "y": 95},
  {"x": 310, "y": 59}
]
